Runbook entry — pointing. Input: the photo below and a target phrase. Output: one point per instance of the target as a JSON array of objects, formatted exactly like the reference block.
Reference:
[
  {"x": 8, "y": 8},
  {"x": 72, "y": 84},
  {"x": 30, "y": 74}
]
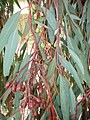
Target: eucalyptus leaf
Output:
[
  {"x": 10, "y": 52},
  {"x": 71, "y": 69},
  {"x": 72, "y": 102},
  {"x": 77, "y": 60},
  {"x": 51, "y": 19},
  {"x": 6, "y": 96},
  {"x": 64, "y": 97},
  {"x": 51, "y": 35},
  {"x": 51, "y": 68},
  {"x": 7, "y": 30}
]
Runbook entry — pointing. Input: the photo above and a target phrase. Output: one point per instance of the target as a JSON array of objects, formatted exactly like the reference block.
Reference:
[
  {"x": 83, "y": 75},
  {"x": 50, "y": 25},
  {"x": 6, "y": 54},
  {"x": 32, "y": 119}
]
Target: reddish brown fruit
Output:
[
  {"x": 40, "y": 90},
  {"x": 38, "y": 100},
  {"x": 7, "y": 85},
  {"x": 14, "y": 88},
  {"x": 35, "y": 114},
  {"x": 19, "y": 87},
  {"x": 24, "y": 104},
  {"x": 31, "y": 104},
  {"x": 23, "y": 89}
]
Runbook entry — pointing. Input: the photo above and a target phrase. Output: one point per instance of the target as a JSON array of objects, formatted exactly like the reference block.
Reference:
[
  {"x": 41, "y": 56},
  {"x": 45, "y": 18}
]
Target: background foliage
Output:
[{"x": 45, "y": 68}]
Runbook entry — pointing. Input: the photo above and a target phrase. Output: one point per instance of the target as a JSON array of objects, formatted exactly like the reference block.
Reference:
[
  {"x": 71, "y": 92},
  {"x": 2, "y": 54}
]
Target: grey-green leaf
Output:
[
  {"x": 7, "y": 30},
  {"x": 51, "y": 19},
  {"x": 88, "y": 12},
  {"x": 51, "y": 35},
  {"x": 10, "y": 52},
  {"x": 72, "y": 102},
  {"x": 77, "y": 60},
  {"x": 51, "y": 68},
  {"x": 71, "y": 69},
  {"x": 5, "y": 96},
  {"x": 64, "y": 97}
]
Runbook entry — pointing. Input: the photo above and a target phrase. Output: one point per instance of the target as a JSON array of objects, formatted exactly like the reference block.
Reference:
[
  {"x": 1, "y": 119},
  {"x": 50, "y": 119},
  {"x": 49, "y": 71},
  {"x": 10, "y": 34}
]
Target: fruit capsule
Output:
[
  {"x": 7, "y": 85},
  {"x": 31, "y": 104},
  {"x": 14, "y": 88},
  {"x": 19, "y": 87},
  {"x": 23, "y": 104}
]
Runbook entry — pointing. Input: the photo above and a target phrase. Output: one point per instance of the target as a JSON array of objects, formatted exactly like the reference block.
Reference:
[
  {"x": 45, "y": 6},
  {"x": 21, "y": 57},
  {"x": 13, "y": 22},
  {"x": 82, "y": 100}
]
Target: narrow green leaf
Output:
[
  {"x": 17, "y": 103},
  {"x": 64, "y": 97},
  {"x": 10, "y": 118},
  {"x": 88, "y": 12},
  {"x": 2, "y": 117},
  {"x": 71, "y": 69},
  {"x": 16, "y": 1},
  {"x": 24, "y": 62},
  {"x": 44, "y": 116},
  {"x": 77, "y": 60},
  {"x": 29, "y": 116},
  {"x": 5, "y": 96},
  {"x": 51, "y": 68},
  {"x": 10, "y": 52},
  {"x": 57, "y": 107},
  {"x": 51, "y": 19},
  {"x": 7, "y": 30},
  {"x": 16, "y": 68},
  {"x": 74, "y": 17},
  {"x": 51, "y": 35},
  {"x": 11, "y": 3},
  {"x": 72, "y": 102}
]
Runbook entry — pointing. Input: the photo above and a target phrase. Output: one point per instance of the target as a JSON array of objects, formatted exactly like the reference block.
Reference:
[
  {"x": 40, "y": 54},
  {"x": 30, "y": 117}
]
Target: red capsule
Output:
[
  {"x": 31, "y": 104},
  {"x": 7, "y": 85},
  {"x": 19, "y": 87},
  {"x": 40, "y": 90},
  {"x": 23, "y": 104},
  {"x": 38, "y": 100},
  {"x": 14, "y": 88}
]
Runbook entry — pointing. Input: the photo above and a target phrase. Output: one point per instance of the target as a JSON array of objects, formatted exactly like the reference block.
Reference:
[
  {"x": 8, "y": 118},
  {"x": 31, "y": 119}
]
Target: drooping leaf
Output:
[
  {"x": 71, "y": 69},
  {"x": 29, "y": 116},
  {"x": 51, "y": 19},
  {"x": 60, "y": 9},
  {"x": 44, "y": 116},
  {"x": 10, "y": 52},
  {"x": 51, "y": 35},
  {"x": 51, "y": 68},
  {"x": 64, "y": 97},
  {"x": 77, "y": 60},
  {"x": 74, "y": 17},
  {"x": 88, "y": 12},
  {"x": 11, "y": 118},
  {"x": 16, "y": 1},
  {"x": 57, "y": 103},
  {"x": 16, "y": 68},
  {"x": 2, "y": 117},
  {"x": 11, "y": 5},
  {"x": 5, "y": 96},
  {"x": 72, "y": 102},
  {"x": 7, "y": 30},
  {"x": 16, "y": 104},
  {"x": 24, "y": 62}
]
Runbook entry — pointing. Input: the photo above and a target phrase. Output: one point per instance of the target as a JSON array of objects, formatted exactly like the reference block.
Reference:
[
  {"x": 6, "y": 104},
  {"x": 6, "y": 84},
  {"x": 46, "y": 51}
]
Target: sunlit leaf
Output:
[
  {"x": 10, "y": 52},
  {"x": 7, "y": 30},
  {"x": 51, "y": 19}
]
